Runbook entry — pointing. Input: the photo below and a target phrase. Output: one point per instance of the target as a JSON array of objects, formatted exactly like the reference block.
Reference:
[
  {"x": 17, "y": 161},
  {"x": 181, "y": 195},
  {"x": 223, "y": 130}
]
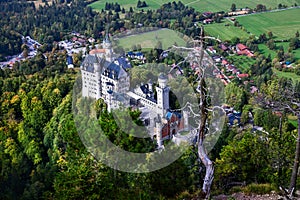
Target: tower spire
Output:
[
  {"x": 107, "y": 34},
  {"x": 107, "y": 46}
]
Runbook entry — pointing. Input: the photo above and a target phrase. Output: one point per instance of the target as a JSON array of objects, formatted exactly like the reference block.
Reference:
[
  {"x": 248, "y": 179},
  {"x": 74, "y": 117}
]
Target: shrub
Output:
[{"x": 258, "y": 188}]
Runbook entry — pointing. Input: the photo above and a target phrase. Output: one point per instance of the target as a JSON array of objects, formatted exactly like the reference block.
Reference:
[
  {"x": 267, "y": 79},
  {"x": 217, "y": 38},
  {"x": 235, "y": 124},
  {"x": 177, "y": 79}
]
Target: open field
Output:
[
  {"x": 266, "y": 51},
  {"x": 291, "y": 75},
  {"x": 152, "y": 4},
  {"x": 225, "y": 5},
  {"x": 283, "y": 24},
  {"x": 149, "y": 39},
  {"x": 293, "y": 120},
  {"x": 223, "y": 32},
  {"x": 243, "y": 63},
  {"x": 200, "y": 5}
]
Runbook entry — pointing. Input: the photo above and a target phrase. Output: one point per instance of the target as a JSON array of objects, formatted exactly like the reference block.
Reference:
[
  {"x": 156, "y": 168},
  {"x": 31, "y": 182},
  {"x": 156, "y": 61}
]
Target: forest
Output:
[{"x": 41, "y": 153}]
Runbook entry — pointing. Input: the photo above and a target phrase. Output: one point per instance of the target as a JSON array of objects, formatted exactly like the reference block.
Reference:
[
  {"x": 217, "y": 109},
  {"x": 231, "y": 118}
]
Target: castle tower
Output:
[
  {"x": 186, "y": 119},
  {"x": 106, "y": 44},
  {"x": 162, "y": 94},
  {"x": 109, "y": 102},
  {"x": 150, "y": 85},
  {"x": 158, "y": 131},
  {"x": 97, "y": 70}
]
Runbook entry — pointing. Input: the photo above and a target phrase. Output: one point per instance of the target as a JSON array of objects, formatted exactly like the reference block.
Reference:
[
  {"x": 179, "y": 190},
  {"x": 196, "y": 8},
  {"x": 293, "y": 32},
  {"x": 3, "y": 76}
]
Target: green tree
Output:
[
  {"x": 233, "y": 7},
  {"x": 294, "y": 43}
]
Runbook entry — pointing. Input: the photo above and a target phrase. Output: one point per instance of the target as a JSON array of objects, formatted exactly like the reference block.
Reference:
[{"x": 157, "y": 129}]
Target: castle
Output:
[{"x": 105, "y": 76}]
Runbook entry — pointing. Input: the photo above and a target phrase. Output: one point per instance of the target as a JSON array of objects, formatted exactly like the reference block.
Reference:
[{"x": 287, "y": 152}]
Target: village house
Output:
[
  {"x": 208, "y": 21},
  {"x": 243, "y": 50},
  {"x": 223, "y": 47},
  {"x": 244, "y": 11},
  {"x": 211, "y": 50}
]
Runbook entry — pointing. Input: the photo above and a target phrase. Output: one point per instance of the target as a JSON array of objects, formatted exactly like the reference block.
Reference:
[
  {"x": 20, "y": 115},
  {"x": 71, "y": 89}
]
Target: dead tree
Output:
[{"x": 197, "y": 54}]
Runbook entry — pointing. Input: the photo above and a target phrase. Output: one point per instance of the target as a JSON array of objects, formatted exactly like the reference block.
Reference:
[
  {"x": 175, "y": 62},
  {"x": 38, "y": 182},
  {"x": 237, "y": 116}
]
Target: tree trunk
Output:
[
  {"x": 296, "y": 161},
  {"x": 209, "y": 173}
]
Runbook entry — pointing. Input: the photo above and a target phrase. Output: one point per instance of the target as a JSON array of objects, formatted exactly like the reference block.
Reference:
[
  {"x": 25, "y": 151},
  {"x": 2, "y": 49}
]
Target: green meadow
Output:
[
  {"x": 219, "y": 30},
  {"x": 200, "y": 5},
  {"x": 291, "y": 75},
  {"x": 149, "y": 39},
  {"x": 266, "y": 51},
  {"x": 283, "y": 24}
]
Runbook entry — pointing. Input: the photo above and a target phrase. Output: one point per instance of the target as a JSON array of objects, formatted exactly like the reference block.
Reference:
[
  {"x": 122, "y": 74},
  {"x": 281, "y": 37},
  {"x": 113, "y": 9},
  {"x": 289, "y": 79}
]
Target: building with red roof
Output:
[{"x": 243, "y": 75}]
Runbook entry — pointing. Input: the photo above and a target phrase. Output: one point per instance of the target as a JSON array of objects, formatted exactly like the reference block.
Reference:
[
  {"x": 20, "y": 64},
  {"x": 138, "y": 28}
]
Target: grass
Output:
[
  {"x": 266, "y": 51},
  {"x": 225, "y": 33},
  {"x": 283, "y": 24},
  {"x": 152, "y": 4},
  {"x": 293, "y": 120},
  {"x": 225, "y": 5},
  {"x": 149, "y": 39},
  {"x": 263, "y": 49},
  {"x": 294, "y": 123},
  {"x": 199, "y": 5},
  {"x": 291, "y": 75},
  {"x": 242, "y": 62}
]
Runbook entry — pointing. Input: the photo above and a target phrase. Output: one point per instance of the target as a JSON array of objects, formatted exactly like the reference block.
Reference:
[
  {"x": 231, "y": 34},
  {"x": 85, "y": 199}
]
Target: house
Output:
[
  {"x": 136, "y": 55},
  {"x": 220, "y": 76},
  {"x": 230, "y": 68},
  {"x": 217, "y": 58},
  {"x": 253, "y": 89},
  {"x": 243, "y": 50},
  {"x": 211, "y": 50},
  {"x": 243, "y": 76},
  {"x": 244, "y": 11},
  {"x": 235, "y": 71},
  {"x": 207, "y": 14},
  {"x": 241, "y": 47},
  {"x": 234, "y": 117},
  {"x": 225, "y": 63},
  {"x": 223, "y": 47},
  {"x": 208, "y": 21},
  {"x": 70, "y": 62}
]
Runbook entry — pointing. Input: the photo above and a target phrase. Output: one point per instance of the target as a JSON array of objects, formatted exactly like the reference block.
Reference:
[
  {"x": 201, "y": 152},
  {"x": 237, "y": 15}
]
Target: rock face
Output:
[{"x": 242, "y": 196}]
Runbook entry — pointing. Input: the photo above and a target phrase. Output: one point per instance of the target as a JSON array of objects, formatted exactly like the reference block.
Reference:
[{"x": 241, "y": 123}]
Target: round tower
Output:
[
  {"x": 162, "y": 81},
  {"x": 162, "y": 94},
  {"x": 150, "y": 85},
  {"x": 158, "y": 129},
  {"x": 109, "y": 103}
]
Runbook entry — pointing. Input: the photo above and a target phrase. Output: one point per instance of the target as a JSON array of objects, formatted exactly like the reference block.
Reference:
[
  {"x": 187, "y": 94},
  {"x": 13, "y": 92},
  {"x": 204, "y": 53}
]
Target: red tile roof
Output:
[
  {"x": 224, "y": 62},
  {"x": 96, "y": 51},
  {"x": 243, "y": 75},
  {"x": 241, "y": 47}
]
